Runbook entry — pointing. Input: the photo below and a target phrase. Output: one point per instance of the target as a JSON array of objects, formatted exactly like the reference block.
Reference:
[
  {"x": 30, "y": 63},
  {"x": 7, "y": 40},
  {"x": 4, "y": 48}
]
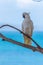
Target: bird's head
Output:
[{"x": 26, "y": 15}]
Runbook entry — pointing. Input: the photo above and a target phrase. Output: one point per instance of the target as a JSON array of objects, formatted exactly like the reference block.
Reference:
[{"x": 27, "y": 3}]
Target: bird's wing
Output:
[{"x": 22, "y": 28}]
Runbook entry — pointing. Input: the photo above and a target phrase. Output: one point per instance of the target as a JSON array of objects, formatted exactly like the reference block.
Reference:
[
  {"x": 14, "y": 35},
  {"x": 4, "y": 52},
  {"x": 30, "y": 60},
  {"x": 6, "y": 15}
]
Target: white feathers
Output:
[{"x": 27, "y": 24}]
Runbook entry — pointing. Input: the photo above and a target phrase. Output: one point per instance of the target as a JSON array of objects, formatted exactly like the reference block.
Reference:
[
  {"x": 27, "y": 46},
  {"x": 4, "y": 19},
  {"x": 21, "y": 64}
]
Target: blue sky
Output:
[{"x": 11, "y": 12}]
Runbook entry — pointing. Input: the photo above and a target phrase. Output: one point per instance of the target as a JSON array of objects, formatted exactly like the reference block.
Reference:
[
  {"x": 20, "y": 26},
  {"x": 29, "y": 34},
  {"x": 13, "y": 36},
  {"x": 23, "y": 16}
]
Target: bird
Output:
[{"x": 27, "y": 27}]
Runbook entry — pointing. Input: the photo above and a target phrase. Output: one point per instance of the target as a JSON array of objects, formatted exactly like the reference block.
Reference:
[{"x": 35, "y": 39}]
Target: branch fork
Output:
[{"x": 38, "y": 48}]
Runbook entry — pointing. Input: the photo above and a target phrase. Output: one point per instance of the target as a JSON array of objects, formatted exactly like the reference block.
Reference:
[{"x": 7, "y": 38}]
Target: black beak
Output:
[{"x": 23, "y": 16}]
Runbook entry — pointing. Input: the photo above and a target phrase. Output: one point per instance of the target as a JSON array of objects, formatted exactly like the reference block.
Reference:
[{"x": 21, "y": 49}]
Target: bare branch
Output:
[
  {"x": 38, "y": 48},
  {"x": 21, "y": 44},
  {"x": 22, "y": 33}
]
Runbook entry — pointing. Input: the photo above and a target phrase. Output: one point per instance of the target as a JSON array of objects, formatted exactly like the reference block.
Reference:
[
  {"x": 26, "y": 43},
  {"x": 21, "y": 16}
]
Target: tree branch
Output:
[
  {"x": 38, "y": 48},
  {"x": 21, "y": 44},
  {"x": 22, "y": 33}
]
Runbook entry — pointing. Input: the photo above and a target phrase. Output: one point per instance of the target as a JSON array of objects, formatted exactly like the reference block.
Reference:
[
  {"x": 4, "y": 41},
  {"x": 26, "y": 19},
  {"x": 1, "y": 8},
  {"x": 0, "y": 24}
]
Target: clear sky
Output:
[{"x": 11, "y": 12}]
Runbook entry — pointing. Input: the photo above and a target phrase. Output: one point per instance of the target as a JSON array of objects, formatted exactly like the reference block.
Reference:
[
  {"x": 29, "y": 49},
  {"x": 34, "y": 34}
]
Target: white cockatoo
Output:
[{"x": 27, "y": 27}]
